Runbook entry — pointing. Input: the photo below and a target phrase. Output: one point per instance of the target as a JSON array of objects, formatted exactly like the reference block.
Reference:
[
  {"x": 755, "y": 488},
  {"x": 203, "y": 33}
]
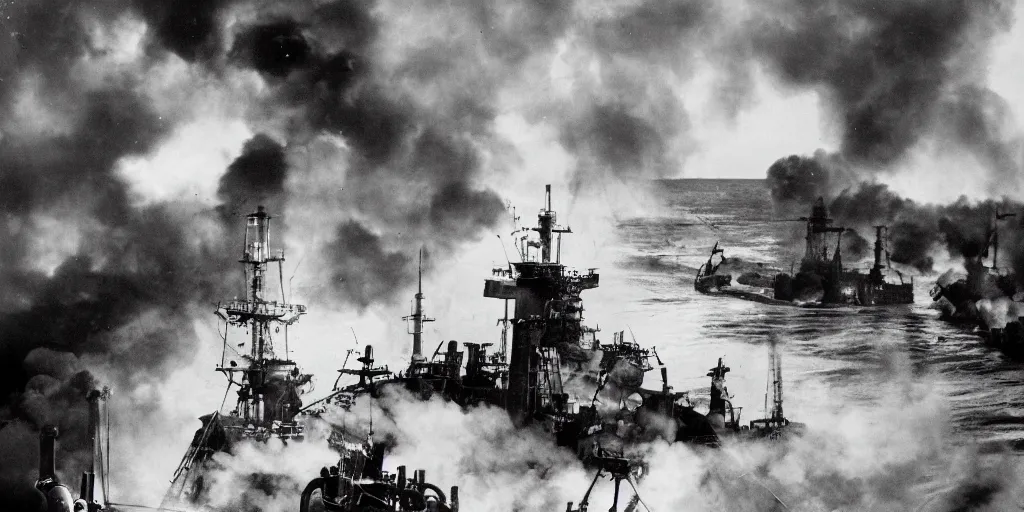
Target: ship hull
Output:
[{"x": 852, "y": 292}]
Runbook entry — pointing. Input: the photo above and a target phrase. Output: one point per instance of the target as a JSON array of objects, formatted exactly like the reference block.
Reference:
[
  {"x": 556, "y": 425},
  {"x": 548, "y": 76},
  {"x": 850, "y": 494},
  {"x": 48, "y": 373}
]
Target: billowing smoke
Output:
[
  {"x": 256, "y": 178},
  {"x": 90, "y": 279},
  {"x": 98, "y": 274},
  {"x": 918, "y": 233},
  {"x": 267, "y": 477},
  {"x": 896, "y": 73}
]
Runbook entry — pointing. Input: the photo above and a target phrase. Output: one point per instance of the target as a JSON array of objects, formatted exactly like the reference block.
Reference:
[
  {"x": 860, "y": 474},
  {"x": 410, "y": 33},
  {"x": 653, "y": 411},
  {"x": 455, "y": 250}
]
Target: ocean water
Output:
[{"x": 891, "y": 365}]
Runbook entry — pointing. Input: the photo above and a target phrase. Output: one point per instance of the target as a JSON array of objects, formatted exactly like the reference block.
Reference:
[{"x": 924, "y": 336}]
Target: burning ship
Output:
[
  {"x": 269, "y": 389},
  {"x": 987, "y": 296},
  {"x": 821, "y": 281},
  {"x": 547, "y": 358}
]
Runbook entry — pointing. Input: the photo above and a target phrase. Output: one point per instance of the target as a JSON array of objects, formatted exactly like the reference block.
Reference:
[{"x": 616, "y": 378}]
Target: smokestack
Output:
[
  {"x": 47, "y": 464},
  {"x": 89, "y": 476}
]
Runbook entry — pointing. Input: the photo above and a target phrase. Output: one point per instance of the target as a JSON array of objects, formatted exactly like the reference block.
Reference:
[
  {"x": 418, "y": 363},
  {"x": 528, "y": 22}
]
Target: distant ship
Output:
[{"x": 821, "y": 281}]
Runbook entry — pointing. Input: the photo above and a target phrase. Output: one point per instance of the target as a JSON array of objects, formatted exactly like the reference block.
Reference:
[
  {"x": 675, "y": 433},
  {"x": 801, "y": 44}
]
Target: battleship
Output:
[
  {"x": 268, "y": 387},
  {"x": 550, "y": 369},
  {"x": 822, "y": 281}
]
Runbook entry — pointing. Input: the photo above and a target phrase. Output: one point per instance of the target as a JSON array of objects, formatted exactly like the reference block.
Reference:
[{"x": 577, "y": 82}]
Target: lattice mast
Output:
[
  {"x": 258, "y": 316},
  {"x": 819, "y": 227}
]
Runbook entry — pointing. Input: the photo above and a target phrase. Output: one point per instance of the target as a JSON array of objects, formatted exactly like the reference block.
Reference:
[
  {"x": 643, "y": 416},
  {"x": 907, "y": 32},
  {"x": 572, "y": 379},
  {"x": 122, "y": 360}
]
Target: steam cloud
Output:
[{"x": 852, "y": 459}]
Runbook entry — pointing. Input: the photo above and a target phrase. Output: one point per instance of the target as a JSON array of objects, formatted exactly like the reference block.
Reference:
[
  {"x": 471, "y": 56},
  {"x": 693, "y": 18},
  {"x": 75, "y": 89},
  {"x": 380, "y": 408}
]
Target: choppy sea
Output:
[
  {"x": 895, "y": 382},
  {"x": 834, "y": 358}
]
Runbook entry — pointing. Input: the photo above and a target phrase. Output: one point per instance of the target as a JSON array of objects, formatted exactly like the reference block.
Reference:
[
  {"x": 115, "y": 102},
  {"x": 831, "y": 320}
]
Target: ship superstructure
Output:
[
  {"x": 548, "y": 318},
  {"x": 555, "y": 373},
  {"x": 267, "y": 383}
]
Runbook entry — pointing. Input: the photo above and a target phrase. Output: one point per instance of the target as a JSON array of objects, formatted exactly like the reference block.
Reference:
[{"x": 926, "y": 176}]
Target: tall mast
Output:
[
  {"x": 776, "y": 368},
  {"x": 418, "y": 318},
  {"x": 875, "y": 274},
  {"x": 257, "y": 314}
]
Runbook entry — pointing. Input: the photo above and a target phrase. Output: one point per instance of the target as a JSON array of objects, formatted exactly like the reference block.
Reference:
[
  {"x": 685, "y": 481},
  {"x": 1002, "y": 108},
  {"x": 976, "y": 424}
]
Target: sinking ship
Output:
[
  {"x": 822, "y": 281},
  {"x": 268, "y": 406},
  {"x": 957, "y": 297}
]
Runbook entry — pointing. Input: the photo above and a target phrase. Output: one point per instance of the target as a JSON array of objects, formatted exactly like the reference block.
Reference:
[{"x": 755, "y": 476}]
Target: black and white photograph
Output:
[{"x": 522, "y": 256}]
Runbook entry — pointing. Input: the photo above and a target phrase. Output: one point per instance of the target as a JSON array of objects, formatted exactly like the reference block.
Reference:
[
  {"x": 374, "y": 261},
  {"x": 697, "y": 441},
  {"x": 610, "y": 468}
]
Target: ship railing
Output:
[{"x": 271, "y": 309}]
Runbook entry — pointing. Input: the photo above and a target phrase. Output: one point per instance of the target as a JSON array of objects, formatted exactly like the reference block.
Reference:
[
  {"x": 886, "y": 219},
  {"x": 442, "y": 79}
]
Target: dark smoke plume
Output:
[
  {"x": 417, "y": 123},
  {"x": 189, "y": 28},
  {"x": 95, "y": 276},
  {"x": 91, "y": 279},
  {"x": 894, "y": 73},
  {"x": 256, "y": 178},
  {"x": 963, "y": 229}
]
